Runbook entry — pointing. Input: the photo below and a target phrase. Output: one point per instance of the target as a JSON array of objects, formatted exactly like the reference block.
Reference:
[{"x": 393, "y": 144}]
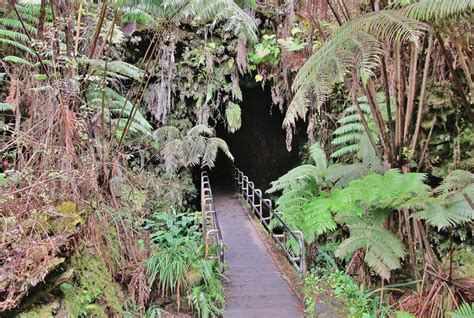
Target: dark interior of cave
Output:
[{"x": 258, "y": 146}]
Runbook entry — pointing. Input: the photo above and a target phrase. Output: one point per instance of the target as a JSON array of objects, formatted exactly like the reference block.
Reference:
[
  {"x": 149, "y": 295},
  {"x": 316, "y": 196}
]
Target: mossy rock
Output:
[{"x": 94, "y": 294}]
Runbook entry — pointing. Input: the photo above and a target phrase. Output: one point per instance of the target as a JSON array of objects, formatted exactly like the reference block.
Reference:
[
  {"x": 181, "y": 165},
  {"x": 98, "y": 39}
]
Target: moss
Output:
[
  {"x": 42, "y": 311},
  {"x": 94, "y": 294}
]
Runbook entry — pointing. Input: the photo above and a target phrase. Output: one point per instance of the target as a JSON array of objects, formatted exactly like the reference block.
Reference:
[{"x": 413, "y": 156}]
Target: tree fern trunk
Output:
[
  {"x": 98, "y": 28},
  {"x": 421, "y": 102},
  {"x": 41, "y": 20},
  {"x": 377, "y": 115},
  {"x": 411, "y": 91}
]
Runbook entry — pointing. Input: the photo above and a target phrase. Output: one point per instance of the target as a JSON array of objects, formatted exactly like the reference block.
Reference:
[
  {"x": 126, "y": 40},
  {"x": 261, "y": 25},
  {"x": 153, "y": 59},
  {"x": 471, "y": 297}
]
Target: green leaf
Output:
[
  {"x": 233, "y": 116},
  {"x": 4, "y": 107}
]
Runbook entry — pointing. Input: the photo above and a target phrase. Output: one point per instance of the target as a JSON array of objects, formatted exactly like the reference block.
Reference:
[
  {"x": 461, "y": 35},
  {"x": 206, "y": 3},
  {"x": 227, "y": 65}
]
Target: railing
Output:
[
  {"x": 210, "y": 223},
  {"x": 261, "y": 205}
]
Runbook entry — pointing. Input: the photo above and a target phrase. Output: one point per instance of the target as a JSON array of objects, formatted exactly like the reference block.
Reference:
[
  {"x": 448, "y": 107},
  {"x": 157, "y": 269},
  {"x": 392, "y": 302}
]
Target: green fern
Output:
[
  {"x": 198, "y": 146},
  {"x": 16, "y": 60},
  {"x": 451, "y": 207},
  {"x": 463, "y": 311},
  {"x": 436, "y": 10},
  {"x": 5, "y": 107},
  {"x": 117, "y": 110},
  {"x": 349, "y": 134},
  {"x": 354, "y": 48},
  {"x": 382, "y": 249},
  {"x": 227, "y": 11},
  {"x": 12, "y": 31},
  {"x": 115, "y": 69}
]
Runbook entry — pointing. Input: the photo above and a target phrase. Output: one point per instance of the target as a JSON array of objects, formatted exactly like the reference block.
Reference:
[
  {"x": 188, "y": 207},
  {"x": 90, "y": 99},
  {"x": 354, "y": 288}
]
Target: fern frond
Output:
[
  {"x": 349, "y": 137},
  {"x": 16, "y": 60},
  {"x": 291, "y": 177},
  {"x": 193, "y": 149},
  {"x": 318, "y": 155},
  {"x": 212, "y": 147},
  {"x": 115, "y": 67},
  {"x": 345, "y": 150},
  {"x": 342, "y": 175},
  {"x": 17, "y": 45},
  {"x": 437, "y": 10},
  {"x": 455, "y": 181},
  {"x": 463, "y": 311},
  {"x": 166, "y": 133},
  {"x": 383, "y": 250},
  {"x": 14, "y": 23},
  {"x": 227, "y": 11},
  {"x": 138, "y": 15},
  {"x": 355, "y": 48},
  {"x": 445, "y": 214},
  {"x": 14, "y": 35},
  {"x": 201, "y": 130}
]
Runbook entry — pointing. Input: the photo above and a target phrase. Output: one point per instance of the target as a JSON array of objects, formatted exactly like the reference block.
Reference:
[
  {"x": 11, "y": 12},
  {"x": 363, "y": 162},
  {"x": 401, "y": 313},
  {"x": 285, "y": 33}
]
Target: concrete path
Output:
[{"x": 256, "y": 288}]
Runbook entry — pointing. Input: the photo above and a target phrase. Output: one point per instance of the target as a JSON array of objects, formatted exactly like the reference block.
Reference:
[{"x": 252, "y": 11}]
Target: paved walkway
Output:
[{"x": 256, "y": 288}]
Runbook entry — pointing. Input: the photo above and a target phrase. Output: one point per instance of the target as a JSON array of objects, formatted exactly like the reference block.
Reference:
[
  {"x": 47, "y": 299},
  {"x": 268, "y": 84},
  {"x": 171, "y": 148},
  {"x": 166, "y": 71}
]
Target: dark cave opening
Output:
[{"x": 258, "y": 147}]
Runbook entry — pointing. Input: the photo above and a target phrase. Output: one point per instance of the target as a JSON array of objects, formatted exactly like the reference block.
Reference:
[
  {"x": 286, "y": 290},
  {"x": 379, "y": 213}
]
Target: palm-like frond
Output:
[
  {"x": 318, "y": 155},
  {"x": 166, "y": 133},
  {"x": 451, "y": 208},
  {"x": 295, "y": 175},
  {"x": 199, "y": 130},
  {"x": 436, "y": 10},
  {"x": 383, "y": 250},
  {"x": 117, "y": 69},
  {"x": 116, "y": 110},
  {"x": 355, "y": 48},
  {"x": 463, "y": 311},
  {"x": 198, "y": 146},
  {"x": 227, "y": 11},
  {"x": 212, "y": 147}
]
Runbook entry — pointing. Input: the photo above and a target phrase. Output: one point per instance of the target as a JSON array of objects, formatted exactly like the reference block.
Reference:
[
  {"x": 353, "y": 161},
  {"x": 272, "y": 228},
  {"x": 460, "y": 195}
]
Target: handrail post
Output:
[
  {"x": 247, "y": 190},
  {"x": 209, "y": 219}
]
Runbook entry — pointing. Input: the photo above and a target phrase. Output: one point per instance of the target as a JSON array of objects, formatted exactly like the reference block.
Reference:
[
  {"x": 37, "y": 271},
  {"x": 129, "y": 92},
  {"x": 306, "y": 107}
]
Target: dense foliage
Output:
[{"x": 107, "y": 108}]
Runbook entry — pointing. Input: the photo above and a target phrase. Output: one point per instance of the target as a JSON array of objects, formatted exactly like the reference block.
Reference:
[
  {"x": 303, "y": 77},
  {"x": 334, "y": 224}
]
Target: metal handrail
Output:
[
  {"x": 210, "y": 222},
  {"x": 258, "y": 203}
]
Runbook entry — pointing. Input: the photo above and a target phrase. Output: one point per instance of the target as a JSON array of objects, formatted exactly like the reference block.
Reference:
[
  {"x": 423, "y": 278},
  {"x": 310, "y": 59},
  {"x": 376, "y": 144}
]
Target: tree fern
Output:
[
  {"x": 350, "y": 132},
  {"x": 227, "y": 11},
  {"x": 12, "y": 30},
  {"x": 302, "y": 173},
  {"x": 451, "y": 207},
  {"x": 116, "y": 106},
  {"x": 198, "y": 146},
  {"x": 436, "y": 10},
  {"x": 354, "y": 48},
  {"x": 115, "y": 69},
  {"x": 382, "y": 249}
]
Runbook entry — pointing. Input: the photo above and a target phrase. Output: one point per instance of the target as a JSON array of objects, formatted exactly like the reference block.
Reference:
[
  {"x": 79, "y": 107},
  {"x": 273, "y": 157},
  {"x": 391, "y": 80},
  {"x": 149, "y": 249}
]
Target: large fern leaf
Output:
[
  {"x": 451, "y": 207},
  {"x": 227, "y": 11},
  {"x": 463, "y": 311},
  {"x": 436, "y": 10},
  {"x": 354, "y": 48},
  {"x": 383, "y": 250}
]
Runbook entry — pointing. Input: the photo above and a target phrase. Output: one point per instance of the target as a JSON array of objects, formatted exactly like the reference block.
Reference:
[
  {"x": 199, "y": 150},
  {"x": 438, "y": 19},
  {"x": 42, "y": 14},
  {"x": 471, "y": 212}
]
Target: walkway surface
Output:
[{"x": 255, "y": 287}]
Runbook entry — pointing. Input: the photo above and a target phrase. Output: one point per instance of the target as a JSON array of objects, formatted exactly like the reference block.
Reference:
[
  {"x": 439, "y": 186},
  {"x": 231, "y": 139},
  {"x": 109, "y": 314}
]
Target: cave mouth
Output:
[{"x": 259, "y": 146}]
